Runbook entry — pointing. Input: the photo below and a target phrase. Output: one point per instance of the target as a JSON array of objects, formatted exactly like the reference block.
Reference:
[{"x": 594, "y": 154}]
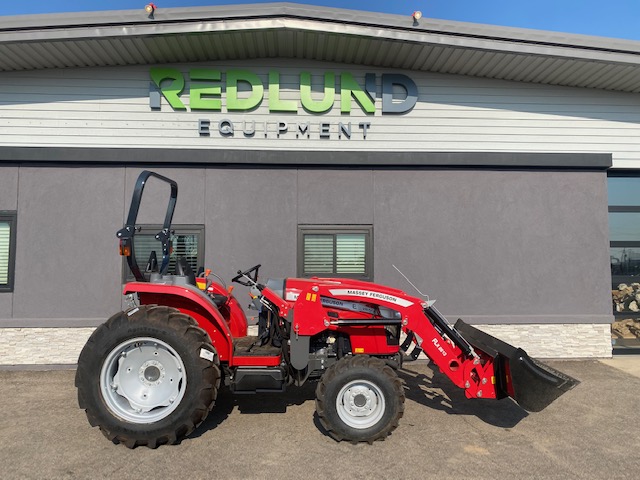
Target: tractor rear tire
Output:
[
  {"x": 360, "y": 399},
  {"x": 148, "y": 376}
]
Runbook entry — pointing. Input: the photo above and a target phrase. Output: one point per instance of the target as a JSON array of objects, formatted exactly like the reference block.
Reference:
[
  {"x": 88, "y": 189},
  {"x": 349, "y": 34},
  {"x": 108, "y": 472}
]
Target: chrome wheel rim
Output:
[
  {"x": 360, "y": 404},
  {"x": 143, "y": 380}
]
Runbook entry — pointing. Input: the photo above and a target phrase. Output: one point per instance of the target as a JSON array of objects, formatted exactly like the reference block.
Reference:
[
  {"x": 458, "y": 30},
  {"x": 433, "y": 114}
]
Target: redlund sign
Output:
[{"x": 244, "y": 91}]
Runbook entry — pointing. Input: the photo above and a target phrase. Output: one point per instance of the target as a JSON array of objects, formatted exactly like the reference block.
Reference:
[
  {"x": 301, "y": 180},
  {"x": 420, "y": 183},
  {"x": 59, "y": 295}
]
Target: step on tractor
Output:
[{"x": 150, "y": 374}]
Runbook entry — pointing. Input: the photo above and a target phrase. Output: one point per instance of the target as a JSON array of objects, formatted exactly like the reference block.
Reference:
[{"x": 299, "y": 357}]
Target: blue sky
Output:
[{"x": 614, "y": 18}]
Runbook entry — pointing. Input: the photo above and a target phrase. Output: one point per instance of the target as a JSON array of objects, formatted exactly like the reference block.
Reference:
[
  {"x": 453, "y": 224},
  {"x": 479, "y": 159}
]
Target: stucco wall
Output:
[{"x": 494, "y": 247}]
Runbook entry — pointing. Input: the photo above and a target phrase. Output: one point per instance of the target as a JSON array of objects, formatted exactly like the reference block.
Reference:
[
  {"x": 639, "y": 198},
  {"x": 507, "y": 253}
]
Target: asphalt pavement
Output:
[{"x": 591, "y": 432}]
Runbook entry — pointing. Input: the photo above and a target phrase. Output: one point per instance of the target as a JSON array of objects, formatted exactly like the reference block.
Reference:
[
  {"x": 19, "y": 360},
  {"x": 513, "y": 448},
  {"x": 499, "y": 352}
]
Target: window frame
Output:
[
  {"x": 10, "y": 217},
  {"x": 367, "y": 230},
  {"x": 153, "y": 229},
  {"x": 612, "y": 208},
  {"x": 622, "y": 243}
]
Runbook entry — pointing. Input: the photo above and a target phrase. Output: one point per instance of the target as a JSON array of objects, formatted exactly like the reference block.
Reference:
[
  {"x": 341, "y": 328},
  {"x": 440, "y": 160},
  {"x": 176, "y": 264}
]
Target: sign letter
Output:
[
  {"x": 275, "y": 104},
  {"x": 198, "y": 90},
  {"x": 388, "y": 105},
  {"x": 171, "y": 91},
  {"x": 257, "y": 90},
  {"x": 320, "y": 106},
  {"x": 348, "y": 88}
]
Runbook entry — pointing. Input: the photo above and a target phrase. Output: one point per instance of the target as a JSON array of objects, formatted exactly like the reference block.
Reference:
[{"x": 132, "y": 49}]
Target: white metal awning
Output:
[{"x": 283, "y": 30}]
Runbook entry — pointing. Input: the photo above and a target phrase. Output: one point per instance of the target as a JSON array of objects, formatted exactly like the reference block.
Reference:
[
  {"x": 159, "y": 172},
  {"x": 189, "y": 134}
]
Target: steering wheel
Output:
[{"x": 247, "y": 273}]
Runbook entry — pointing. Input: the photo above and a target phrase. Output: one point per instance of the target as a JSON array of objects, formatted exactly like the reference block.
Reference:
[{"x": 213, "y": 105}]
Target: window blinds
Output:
[
  {"x": 5, "y": 237},
  {"x": 182, "y": 246},
  {"x": 341, "y": 253}
]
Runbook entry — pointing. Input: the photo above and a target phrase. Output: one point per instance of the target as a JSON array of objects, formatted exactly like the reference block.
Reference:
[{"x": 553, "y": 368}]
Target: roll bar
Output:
[{"x": 127, "y": 233}]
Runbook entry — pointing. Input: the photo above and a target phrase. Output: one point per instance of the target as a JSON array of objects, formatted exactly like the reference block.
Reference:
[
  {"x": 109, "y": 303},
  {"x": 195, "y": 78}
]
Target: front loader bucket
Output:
[{"x": 534, "y": 385}]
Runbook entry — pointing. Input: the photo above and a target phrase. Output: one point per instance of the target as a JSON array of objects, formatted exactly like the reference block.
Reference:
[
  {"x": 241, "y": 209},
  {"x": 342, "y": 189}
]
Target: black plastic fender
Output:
[{"x": 300, "y": 351}]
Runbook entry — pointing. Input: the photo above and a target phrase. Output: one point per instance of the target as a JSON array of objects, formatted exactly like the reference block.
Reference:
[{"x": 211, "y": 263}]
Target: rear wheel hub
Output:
[{"x": 143, "y": 380}]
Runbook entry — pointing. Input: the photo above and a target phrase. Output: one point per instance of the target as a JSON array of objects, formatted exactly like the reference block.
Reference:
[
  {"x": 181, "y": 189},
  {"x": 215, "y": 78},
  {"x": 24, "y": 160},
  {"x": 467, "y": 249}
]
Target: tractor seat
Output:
[
  {"x": 184, "y": 270},
  {"x": 219, "y": 300}
]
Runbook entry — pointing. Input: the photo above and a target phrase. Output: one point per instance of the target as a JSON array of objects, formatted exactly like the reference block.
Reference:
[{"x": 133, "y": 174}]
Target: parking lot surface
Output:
[{"x": 591, "y": 432}]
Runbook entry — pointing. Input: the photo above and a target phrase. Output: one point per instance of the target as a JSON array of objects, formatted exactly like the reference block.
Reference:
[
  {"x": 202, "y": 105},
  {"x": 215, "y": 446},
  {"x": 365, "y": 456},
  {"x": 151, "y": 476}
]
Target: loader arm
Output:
[{"x": 482, "y": 365}]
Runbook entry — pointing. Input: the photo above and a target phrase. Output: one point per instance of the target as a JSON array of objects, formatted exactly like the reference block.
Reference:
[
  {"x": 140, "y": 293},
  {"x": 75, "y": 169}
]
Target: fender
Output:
[
  {"x": 189, "y": 300},
  {"x": 237, "y": 321}
]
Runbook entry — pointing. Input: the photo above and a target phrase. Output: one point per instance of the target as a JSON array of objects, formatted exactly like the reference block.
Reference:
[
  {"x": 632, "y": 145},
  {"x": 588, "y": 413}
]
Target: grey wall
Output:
[
  {"x": 492, "y": 246},
  {"x": 251, "y": 219},
  {"x": 9, "y": 188},
  {"x": 335, "y": 196},
  {"x": 66, "y": 258},
  {"x": 505, "y": 246}
]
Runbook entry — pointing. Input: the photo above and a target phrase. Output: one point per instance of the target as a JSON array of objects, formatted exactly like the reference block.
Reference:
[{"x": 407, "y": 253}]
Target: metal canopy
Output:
[{"x": 283, "y": 30}]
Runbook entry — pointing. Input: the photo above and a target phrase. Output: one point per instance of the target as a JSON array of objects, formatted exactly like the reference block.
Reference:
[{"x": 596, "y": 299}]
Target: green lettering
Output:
[
  {"x": 275, "y": 104},
  {"x": 197, "y": 101},
  {"x": 348, "y": 88},
  {"x": 257, "y": 90},
  {"x": 326, "y": 103},
  {"x": 172, "y": 90}
]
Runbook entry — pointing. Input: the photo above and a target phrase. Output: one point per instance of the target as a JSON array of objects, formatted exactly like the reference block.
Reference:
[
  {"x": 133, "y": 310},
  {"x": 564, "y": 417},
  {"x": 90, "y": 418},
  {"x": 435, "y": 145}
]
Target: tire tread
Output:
[
  {"x": 195, "y": 338},
  {"x": 341, "y": 367}
]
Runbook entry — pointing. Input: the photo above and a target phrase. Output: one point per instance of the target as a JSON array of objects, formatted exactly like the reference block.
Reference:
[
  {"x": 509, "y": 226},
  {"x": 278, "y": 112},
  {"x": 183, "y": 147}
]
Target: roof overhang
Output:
[{"x": 284, "y": 30}]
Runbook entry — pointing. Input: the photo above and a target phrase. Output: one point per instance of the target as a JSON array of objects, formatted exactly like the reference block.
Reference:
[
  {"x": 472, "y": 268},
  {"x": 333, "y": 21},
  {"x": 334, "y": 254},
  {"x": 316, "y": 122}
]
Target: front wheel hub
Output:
[
  {"x": 143, "y": 380},
  {"x": 360, "y": 404}
]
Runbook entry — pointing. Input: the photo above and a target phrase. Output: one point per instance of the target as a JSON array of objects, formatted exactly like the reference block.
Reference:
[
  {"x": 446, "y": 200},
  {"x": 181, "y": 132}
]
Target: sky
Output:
[{"x": 613, "y": 18}]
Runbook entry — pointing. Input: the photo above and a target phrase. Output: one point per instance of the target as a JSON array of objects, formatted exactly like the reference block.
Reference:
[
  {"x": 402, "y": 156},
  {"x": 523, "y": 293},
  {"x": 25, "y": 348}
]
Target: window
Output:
[
  {"x": 624, "y": 255},
  {"x": 186, "y": 241},
  {"x": 340, "y": 251},
  {"x": 7, "y": 250}
]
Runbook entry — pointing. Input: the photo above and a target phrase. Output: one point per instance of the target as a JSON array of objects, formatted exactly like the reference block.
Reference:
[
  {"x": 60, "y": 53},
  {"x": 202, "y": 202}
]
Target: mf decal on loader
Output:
[{"x": 151, "y": 374}]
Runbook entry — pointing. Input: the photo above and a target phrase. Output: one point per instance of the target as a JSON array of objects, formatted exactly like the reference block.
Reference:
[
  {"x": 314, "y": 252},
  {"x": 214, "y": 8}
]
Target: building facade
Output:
[{"x": 494, "y": 167}]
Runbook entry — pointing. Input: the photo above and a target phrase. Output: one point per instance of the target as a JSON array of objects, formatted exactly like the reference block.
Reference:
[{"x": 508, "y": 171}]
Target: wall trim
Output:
[
  {"x": 51, "y": 322},
  {"x": 533, "y": 319},
  {"x": 119, "y": 156},
  {"x": 44, "y": 367}
]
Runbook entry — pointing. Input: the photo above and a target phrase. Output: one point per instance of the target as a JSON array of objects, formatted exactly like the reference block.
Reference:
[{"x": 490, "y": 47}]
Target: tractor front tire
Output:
[
  {"x": 360, "y": 399},
  {"x": 148, "y": 376}
]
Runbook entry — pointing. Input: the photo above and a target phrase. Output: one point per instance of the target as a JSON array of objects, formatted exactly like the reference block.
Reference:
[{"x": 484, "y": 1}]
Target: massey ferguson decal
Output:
[
  {"x": 352, "y": 306},
  {"x": 344, "y": 292}
]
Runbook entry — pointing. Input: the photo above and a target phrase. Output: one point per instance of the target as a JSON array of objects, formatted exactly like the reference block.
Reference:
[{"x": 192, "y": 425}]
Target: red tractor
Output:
[{"x": 151, "y": 374}]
